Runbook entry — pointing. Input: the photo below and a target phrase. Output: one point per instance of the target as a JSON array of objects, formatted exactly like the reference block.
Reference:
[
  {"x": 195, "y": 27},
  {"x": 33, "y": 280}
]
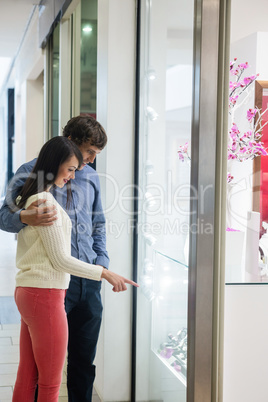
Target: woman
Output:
[{"x": 45, "y": 263}]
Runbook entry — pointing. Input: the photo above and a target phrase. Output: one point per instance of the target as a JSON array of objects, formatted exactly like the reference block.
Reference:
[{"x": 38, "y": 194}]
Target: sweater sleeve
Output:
[
  {"x": 54, "y": 244},
  {"x": 53, "y": 240}
]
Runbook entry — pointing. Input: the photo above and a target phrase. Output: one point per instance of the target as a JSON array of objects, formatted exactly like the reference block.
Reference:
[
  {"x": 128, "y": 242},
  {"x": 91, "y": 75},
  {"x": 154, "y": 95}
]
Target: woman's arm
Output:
[{"x": 54, "y": 242}]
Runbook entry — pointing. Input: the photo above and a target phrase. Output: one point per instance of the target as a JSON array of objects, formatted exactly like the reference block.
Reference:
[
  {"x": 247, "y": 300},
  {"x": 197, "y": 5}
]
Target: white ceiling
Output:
[{"x": 14, "y": 15}]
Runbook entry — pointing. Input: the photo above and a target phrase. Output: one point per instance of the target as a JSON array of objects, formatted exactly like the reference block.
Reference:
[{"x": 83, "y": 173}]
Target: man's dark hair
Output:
[{"x": 83, "y": 129}]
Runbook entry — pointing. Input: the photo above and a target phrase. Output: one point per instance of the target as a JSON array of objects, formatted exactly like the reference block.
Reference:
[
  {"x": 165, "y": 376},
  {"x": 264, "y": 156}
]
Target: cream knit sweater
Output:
[{"x": 44, "y": 252}]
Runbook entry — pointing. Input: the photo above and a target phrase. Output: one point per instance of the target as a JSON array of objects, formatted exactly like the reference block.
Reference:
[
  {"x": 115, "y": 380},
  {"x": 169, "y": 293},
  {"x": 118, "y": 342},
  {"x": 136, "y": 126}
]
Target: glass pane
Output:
[
  {"x": 169, "y": 324},
  {"x": 88, "y": 57},
  {"x": 247, "y": 200},
  {"x": 263, "y": 208},
  {"x": 55, "y": 83},
  {"x": 164, "y": 187}
]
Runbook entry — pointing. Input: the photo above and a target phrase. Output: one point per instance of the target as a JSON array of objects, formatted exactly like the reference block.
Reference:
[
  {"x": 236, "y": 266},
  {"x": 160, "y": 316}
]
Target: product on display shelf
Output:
[{"x": 174, "y": 351}]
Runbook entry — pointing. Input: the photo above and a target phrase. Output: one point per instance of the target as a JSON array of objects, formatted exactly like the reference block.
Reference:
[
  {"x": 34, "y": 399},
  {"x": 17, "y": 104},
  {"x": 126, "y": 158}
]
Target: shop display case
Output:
[
  {"x": 162, "y": 327},
  {"x": 165, "y": 110},
  {"x": 169, "y": 314}
]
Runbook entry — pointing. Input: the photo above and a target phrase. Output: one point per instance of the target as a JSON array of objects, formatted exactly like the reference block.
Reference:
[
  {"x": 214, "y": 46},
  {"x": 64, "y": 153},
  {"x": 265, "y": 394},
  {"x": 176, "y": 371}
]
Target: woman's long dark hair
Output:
[{"x": 53, "y": 154}]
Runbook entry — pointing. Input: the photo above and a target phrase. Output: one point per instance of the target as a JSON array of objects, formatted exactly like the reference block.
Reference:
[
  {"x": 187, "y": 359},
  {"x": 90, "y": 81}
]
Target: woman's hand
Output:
[{"x": 118, "y": 282}]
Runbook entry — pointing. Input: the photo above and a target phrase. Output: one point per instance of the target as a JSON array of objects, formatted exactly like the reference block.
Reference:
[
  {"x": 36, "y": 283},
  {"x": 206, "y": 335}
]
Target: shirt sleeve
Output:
[
  {"x": 57, "y": 250},
  {"x": 9, "y": 215},
  {"x": 99, "y": 229}
]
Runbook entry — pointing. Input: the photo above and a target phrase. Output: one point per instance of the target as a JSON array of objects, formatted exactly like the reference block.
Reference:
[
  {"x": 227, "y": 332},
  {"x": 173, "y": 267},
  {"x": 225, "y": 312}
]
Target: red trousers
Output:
[{"x": 43, "y": 343}]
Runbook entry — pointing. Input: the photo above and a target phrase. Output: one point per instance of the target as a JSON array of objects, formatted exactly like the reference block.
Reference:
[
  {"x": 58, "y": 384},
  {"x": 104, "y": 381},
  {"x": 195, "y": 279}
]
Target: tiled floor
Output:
[{"x": 9, "y": 323}]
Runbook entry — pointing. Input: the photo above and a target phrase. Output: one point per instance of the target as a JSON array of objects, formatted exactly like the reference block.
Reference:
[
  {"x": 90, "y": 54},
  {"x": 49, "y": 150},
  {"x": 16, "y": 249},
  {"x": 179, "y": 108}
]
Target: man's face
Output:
[{"x": 89, "y": 153}]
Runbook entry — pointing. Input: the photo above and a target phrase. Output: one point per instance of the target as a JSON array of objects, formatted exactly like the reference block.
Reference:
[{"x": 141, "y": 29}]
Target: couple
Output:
[{"x": 57, "y": 239}]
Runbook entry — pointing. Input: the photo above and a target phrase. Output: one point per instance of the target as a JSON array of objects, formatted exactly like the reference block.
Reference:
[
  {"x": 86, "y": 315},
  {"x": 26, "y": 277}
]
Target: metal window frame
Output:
[{"x": 209, "y": 168}]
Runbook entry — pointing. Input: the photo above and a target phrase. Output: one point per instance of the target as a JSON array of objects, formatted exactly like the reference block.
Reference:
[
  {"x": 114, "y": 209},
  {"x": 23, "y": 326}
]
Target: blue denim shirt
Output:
[{"x": 85, "y": 211}]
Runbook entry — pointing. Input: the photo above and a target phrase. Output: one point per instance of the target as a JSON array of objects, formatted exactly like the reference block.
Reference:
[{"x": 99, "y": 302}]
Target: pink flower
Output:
[
  {"x": 233, "y": 84},
  {"x": 245, "y": 81},
  {"x": 183, "y": 152},
  {"x": 248, "y": 80},
  {"x": 252, "y": 143},
  {"x": 232, "y": 63},
  {"x": 184, "y": 147},
  {"x": 234, "y": 146},
  {"x": 234, "y": 71},
  {"x": 181, "y": 157},
  {"x": 246, "y": 135},
  {"x": 261, "y": 150},
  {"x": 233, "y": 135},
  {"x": 251, "y": 113},
  {"x": 241, "y": 146},
  {"x": 229, "y": 177},
  {"x": 233, "y": 99},
  {"x": 234, "y": 131},
  {"x": 243, "y": 65},
  {"x": 231, "y": 155}
]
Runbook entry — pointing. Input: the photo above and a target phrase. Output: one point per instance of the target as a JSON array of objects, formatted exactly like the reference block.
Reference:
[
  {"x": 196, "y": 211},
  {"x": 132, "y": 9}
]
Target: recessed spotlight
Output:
[{"x": 87, "y": 29}]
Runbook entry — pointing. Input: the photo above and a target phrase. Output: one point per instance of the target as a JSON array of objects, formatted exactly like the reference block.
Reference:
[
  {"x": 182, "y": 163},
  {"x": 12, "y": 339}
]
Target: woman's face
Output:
[{"x": 66, "y": 171}]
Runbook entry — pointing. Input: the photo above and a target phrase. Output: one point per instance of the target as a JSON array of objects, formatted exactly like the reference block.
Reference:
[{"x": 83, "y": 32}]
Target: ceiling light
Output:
[{"x": 87, "y": 29}]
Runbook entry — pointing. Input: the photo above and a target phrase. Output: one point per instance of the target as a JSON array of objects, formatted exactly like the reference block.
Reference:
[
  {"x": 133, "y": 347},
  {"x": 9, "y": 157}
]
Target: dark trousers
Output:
[{"x": 84, "y": 311}]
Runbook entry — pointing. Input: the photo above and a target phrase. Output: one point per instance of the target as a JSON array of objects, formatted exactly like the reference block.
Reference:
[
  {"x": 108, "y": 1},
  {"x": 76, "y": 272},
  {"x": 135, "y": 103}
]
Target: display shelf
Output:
[
  {"x": 179, "y": 375},
  {"x": 246, "y": 283},
  {"x": 169, "y": 313},
  {"x": 176, "y": 260}
]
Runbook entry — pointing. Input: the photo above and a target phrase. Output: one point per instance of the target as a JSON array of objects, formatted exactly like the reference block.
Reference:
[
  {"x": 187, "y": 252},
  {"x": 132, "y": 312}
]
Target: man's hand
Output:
[
  {"x": 118, "y": 282},
  {"x": 38, "y": 216}
]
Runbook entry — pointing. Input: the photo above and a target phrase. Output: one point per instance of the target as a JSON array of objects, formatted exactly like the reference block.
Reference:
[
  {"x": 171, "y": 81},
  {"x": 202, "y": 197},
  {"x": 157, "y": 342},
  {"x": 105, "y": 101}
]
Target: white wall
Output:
[
  {"x": 115, "y": 111},
  {"x": 27, "y": 80},
  {"x": 34, "y": 134},
  {"x": 29, "y": 92},
  {"x": 248, "y": 17},
  {"x": 245, "y": 334}
]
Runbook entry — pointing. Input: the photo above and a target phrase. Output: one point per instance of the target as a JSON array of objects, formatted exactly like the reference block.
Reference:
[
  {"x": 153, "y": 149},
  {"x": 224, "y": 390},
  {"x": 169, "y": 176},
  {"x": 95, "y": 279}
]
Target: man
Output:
[{"x": 83, "y": 300}]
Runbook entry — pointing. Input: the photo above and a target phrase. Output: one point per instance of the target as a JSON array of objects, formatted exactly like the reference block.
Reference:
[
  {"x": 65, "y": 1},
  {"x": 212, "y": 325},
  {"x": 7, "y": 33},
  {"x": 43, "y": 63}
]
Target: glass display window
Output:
[
  {"x": 166, "y": 70},
  {"x": 88, "y": 57},
  {"x": 53, "y": 79}
]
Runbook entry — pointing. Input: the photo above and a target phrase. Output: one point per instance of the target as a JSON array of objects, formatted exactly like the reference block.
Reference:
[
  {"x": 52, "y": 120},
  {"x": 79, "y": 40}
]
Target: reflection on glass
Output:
[
  {"x": 55, "y": 83},
  {"x": 165, "y": 125},
  {"x": 88, "y": 57}
]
